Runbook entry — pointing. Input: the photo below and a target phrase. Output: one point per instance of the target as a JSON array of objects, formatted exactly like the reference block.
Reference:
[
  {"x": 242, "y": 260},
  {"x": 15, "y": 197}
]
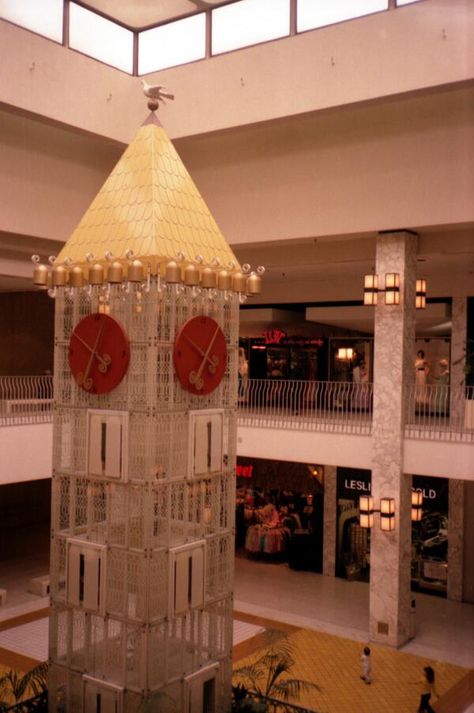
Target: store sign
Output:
[
  {"x": 244, "y": 471},
  {"x": 274, "y": 336},
  {"x": 357, "y": 485}
]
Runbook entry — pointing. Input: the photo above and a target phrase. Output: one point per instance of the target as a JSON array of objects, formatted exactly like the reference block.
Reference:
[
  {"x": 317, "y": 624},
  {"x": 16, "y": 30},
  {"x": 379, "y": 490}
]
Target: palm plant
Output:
[
  {"x": 16, "y": 687},
  {"x": 268, "y": 677}
]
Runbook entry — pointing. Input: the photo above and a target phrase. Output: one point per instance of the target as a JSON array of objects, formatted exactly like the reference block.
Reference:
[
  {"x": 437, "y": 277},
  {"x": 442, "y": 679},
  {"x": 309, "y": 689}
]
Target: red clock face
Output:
[
  {"x": 98, "y": 353},
  {"x": 200, "y": 355}
]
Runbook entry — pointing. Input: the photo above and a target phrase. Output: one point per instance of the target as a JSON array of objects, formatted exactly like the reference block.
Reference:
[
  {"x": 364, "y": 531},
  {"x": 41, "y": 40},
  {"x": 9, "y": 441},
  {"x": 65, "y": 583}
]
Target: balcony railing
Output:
[
  {"x": 440, "y": 412},
  {"x": 306, "y": 405},
  {"x": 26, "y": 399},
  {"x": 432, "y": 412}
]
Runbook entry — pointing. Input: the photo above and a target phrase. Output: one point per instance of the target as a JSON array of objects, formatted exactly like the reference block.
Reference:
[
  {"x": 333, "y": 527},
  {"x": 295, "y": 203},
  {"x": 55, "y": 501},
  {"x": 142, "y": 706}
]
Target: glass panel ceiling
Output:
[
  {"x": 312, "y": 14},
  {"x": 176, "y": 43},
  {"x": 42, "y": 16},
  {"x": 249, "y": 22},
  {"x": 100, "y": 38}
]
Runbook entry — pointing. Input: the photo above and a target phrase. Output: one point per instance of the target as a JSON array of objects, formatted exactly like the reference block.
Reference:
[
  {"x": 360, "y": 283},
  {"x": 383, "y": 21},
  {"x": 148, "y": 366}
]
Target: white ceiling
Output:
[{"x": 141, "y": 13}]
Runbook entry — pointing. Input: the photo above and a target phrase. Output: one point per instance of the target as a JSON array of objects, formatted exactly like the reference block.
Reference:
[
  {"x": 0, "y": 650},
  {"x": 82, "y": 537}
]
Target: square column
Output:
[
  {"x": 390, "y": 552},
  {"x": 330, "y": 520}
]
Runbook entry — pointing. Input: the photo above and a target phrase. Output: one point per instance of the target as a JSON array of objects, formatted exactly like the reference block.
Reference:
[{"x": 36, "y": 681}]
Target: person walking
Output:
[
  {"x": 428, "y": 689},
  {"x": 366, "y": 665}
]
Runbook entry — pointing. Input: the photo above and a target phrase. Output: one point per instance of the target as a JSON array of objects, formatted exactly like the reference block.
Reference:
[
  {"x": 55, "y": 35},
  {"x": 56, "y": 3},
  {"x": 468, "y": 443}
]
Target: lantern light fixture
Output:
[
  {"x": 416, "y": 505},
  {"x": 345, "y": 353},
  {"x": 420, "y": 296},
  {"x": 391, "y": 290},
  {"x": 367, "y": 511}
]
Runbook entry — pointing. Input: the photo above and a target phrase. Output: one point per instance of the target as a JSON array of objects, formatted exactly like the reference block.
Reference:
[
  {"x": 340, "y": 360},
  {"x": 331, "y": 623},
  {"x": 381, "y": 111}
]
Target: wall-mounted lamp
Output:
[
  {"x": 345, "y": 353},
  {"x": 387, "y": 513},
  {"x": 416, "y": 505},
  {"x": 391, "y": 290},
  {"x": 420, "y": 297}
]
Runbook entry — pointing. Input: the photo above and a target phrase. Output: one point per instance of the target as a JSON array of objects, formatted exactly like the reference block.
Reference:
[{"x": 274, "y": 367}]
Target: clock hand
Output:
[
  {"x": 213, "y": 360},
  {"x": 206, "y": 355},
  {"x": 84, "y": 378},
  {"x": 105, "y": 360}
]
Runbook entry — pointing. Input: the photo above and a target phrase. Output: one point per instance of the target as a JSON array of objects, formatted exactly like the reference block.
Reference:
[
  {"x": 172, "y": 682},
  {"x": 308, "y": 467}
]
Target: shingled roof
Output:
[{"x": 149, "y": 204}]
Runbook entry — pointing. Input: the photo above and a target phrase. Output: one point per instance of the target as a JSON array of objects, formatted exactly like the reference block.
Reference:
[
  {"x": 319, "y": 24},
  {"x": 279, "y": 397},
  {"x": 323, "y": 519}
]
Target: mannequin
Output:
[
  {"x": 421, "y": 368},
  {"x": 421, "y": 375},
  {"x": 243, "y": 371}
]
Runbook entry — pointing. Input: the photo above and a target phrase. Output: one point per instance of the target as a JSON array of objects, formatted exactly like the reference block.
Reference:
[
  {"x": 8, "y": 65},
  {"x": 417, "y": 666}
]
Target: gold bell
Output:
[
  {"x": 76, "y": 277},
  {"x": 208, "y": 278},
  {"x": 59, "y": 276},
  {"x": 173, "y": 272},
  {"x": 224, "y": 280},
  {"x": 40, "y": 275},
  {"x": 96, "y": 274},
  {"x": 239, "y": 282},
  {"x": 254, "y": 284},
  {"x": 191, "y": 276},
  {"x": 115, "y": 272},
  {"x": 135, "y": 271}
]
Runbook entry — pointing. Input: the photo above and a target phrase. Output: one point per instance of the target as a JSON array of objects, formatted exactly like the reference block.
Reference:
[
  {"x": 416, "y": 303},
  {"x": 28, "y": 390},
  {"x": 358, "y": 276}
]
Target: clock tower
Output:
[{"x": 146, "y": 348}]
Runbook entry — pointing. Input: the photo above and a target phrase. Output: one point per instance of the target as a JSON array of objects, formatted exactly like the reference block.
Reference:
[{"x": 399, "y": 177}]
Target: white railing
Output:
[
  {"x": 26, "y": 399},
  {"x": 440, "y": 412},
  {"x": 306, "y": 405},
  {"x": 432, "y": 412}
]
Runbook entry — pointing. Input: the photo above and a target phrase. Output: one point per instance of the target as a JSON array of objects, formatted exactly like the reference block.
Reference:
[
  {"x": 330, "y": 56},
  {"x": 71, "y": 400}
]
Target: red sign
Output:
[
  {"x": 274, "y": 336},
  {"x": 244, "y": 471}
]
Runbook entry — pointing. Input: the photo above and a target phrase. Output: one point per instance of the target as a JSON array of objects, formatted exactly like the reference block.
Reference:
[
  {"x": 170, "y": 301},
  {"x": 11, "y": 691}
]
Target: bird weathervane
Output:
[{"x": 156, "y": 93}]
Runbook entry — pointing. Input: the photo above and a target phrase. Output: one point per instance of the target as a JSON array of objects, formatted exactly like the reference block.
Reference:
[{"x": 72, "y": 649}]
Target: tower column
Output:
[
  {"x": 393, "y": 369},
  {"x": 457, "y": 364}
]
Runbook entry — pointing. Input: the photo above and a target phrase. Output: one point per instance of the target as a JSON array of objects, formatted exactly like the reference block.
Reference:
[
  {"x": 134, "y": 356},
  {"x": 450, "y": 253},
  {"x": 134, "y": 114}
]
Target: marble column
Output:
[
  {"x": 457, "y": 364},
  {"x": 330, "y": 520},
  {"x": 394, "y": 335},
  {"x": 455, "y": 539}
]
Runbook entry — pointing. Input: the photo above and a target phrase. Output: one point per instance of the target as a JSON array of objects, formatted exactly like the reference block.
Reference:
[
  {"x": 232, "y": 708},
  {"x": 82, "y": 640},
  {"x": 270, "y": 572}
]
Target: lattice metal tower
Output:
[{"x": 147, "y": 297}]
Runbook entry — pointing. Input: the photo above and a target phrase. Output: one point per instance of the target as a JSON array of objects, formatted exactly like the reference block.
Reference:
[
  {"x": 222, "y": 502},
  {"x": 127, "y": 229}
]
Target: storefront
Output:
[
  {"x": 276, "y": 355},
  {"x": 429, "y": 564},
  {"x": 279, "y": 512}
]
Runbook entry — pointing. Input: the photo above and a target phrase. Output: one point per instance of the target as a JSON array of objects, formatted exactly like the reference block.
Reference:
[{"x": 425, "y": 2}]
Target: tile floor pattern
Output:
[
  {"x": 31, "y": 639},
  {"x": 333, "y": 663}
]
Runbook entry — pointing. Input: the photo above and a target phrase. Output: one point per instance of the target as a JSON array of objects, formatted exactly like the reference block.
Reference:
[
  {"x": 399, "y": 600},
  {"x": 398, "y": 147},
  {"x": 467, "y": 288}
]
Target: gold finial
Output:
[
  {"x": 96, "y": 274},
  {"x": 208, "y": 278},
  {"x": 191, "y": 275}
]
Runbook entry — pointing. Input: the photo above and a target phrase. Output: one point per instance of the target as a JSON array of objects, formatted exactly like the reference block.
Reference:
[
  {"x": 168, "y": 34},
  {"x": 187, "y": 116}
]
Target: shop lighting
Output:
[
  {"x": 416, "y": 505},
  {"x": 391, "y": 290},
  {"x": 345, "y": 353},
  {"x": 420, "y": 297},
  {"x": 367, "y": 511}
]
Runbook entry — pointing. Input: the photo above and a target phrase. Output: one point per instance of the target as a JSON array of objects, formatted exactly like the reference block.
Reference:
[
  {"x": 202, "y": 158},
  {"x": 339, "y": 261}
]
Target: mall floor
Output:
[{"x": 326, "y": 622}]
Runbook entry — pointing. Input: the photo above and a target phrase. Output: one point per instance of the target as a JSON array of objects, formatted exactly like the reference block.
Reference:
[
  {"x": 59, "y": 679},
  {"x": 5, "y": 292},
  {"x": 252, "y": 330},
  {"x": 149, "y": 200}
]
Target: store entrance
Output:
[
  {"x": 279, "y": 513},
  {"x": 429, "y": 562}
]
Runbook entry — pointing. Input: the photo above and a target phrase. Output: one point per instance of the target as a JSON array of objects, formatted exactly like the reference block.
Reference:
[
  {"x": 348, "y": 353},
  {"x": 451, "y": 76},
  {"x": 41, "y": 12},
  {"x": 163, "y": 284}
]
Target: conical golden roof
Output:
[{"x": 150, "y": 205}]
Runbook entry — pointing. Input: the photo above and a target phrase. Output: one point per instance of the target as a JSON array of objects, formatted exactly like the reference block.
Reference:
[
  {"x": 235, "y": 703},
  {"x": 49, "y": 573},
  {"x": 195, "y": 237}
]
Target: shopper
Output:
[
  {"x": 366, "y": 665},
  {"x": 427, "y": 690}
]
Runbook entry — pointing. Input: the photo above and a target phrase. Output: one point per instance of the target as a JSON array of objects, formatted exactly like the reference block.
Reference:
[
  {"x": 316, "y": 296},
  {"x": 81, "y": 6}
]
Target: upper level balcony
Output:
[{"x": 431, "y": 412}]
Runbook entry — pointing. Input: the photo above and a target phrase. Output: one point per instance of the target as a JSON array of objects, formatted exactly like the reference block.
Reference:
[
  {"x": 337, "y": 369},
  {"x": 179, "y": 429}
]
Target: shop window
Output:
[
  {"x": 101, "y": 697},
  {"x": 85, "y": 575},
  {"x": 200, "y": 690},
  {"x": 205, "y": 442},
  {"x": 187, "y": 567},
  {"x": 107, "y": 441}
]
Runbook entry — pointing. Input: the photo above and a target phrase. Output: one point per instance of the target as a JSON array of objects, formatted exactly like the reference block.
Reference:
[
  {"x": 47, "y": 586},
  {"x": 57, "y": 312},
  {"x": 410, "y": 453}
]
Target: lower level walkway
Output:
[{"x": 444, "y": 629}]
